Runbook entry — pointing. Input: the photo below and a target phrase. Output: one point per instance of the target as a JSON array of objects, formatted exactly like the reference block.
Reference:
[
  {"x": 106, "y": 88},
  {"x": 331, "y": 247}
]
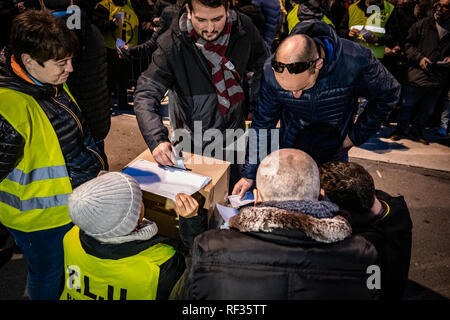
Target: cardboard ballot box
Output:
[{"x": 162, "y": 210}]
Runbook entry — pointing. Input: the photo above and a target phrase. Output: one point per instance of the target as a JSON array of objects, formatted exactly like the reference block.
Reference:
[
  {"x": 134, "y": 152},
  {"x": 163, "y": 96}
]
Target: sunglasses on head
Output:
[{"x": 293, "y": 68}]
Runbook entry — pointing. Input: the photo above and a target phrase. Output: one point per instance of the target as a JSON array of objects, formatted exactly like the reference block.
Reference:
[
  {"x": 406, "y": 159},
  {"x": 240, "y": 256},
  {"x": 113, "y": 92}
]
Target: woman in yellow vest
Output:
[
  {"x": 116, "y": 19},
  {"x": 367, "y": 21},
  {"x": 46, "y": 148},
  {"x": 113, "y": 252}
]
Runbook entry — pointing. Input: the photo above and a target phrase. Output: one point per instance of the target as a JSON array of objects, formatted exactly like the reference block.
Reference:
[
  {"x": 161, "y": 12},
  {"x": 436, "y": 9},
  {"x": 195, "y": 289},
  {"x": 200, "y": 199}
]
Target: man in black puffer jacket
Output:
[
  {"x": 46, "y": 149},
  {"x": 289, "y": 247},
  {"x": 312, "y": 85}
]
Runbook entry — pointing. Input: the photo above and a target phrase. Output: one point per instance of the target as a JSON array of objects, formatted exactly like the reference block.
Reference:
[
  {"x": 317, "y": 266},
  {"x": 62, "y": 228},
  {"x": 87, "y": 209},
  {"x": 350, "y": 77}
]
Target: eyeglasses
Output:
[{"x": 293, "y": 68}]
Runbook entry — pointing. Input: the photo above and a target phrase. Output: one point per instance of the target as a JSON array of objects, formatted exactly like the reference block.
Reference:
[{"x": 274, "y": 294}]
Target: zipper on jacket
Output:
[
  {"x": 72, "y": 114},
  {"x": 99, "y": 157},
  {"x": 81, "y": 130}
]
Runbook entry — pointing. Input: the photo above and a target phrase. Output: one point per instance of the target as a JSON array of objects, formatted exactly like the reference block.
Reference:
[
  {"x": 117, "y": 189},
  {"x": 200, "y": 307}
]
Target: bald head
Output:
[
  {"x": 288, "y": 174},
  {"x": 298, "y": 47}
]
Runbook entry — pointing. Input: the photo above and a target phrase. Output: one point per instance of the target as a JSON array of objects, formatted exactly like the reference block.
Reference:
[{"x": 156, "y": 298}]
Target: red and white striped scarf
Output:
[{"x": 224, "y": 75}]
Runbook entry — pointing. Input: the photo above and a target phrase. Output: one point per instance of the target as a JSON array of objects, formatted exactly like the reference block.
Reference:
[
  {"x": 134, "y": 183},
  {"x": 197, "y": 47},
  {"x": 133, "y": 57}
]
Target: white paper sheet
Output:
[
  {"x": 246, "y": 199},
  {"x": 226, "y": 212},
  {"x": 179, "y": 161},
  {"x": 165, "y": 181}
]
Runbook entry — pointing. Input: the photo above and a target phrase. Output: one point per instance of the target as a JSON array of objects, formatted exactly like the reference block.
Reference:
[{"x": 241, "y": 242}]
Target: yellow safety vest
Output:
[
  {"x": 292, "y": 19},
  {"x": 377, "y": 20},
  {"x": 128, "y": 32},
  {"x": 34, "y": 195},
  {"x": 131, "y": 278}
]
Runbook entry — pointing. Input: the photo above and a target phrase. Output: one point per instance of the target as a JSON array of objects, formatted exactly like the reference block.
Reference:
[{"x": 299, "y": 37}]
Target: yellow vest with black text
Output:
[
  {"x": 292, "y": 19},
  {"x": 91, "y": 278},
  {"x": 128, "y": 31},
  {"x": 376, "y": 21},
  {"x": 34, "y": 195}
]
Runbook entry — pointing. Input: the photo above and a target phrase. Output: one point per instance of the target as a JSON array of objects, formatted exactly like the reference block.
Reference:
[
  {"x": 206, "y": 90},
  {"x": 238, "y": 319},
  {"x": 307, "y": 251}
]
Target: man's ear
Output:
[
  {"x": 257, "y": 197},
  {"x": 319, "y": 64},
  {"x": 189, "y": 16},
  {"x": 322, "y": 195}
]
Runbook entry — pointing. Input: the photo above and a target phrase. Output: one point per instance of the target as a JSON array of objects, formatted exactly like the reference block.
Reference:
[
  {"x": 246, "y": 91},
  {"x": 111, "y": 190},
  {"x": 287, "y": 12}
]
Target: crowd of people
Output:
[{"x": 317, "y": 223}]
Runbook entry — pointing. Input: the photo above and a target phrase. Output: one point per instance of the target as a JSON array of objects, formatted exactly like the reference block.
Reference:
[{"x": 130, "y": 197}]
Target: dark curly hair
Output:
[{"x": 348, "y": 185}]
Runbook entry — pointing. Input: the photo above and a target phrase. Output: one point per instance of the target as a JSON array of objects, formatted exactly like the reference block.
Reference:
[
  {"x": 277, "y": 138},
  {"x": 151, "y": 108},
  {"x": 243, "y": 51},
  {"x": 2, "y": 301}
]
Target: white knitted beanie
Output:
[{"x": 107, "y": 206}]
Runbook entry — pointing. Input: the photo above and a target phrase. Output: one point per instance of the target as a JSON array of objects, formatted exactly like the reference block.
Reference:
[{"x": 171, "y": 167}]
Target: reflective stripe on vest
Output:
[
  {"x": 34, "y": 203},
  {"x": 357, "y": 17},
  {"x": 37, "y": 174},
  {"x": 34, "y": 195},
  {"x": 128, "y": 32},
  {"x": 131, "y": 278}
]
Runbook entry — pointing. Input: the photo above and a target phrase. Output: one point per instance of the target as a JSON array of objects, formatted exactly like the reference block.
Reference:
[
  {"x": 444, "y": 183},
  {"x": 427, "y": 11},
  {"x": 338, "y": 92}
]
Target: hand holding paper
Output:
[
  {"x": 119, "y": 18},
  {"x": 187, "y": 206},
  {"x": 120, "y": 43},
  {"x": 163, "y": 154},
  {"x": 246, "y": 199},
  {"x": 177, "y": 159}
]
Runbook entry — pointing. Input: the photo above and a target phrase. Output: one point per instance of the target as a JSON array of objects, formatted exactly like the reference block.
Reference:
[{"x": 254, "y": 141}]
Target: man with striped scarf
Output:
[{"x": 211, "y": 58}]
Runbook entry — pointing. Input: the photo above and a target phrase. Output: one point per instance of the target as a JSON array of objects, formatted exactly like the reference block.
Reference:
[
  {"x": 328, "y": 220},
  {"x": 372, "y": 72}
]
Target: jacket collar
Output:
[
  {"x": 269, "y": 219},
  {"x": 117, "y": 251}
]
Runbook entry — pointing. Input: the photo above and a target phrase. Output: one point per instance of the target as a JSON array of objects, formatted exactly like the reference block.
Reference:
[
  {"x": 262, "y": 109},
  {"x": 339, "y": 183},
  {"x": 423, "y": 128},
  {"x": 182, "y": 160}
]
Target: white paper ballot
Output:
[
  {"x": 226, "y": 212},
  {"x": 120, "y": 43},
  {"x": 246, "y": 199},
  {"x": 179, "y": 161},
  {"x": 165, "y": 181}
]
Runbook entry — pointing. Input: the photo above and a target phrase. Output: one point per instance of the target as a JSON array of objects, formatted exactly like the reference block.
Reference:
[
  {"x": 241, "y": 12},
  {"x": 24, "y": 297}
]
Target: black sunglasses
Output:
[{"x": 293, "y": 68}]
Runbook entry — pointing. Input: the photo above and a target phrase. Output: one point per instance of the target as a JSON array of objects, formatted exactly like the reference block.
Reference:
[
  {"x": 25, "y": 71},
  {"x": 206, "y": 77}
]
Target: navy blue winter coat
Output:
[
  {"x": 271, "y": 10},
  {"x": 320, "y": 119}
]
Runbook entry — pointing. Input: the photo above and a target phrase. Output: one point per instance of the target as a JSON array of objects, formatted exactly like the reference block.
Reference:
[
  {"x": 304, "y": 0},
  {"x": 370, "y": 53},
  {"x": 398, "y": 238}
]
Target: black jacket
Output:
[
  {"x": 88, "y": 81},
  {"x": 392, "y": 236},
  {"x": 82, "y": 164},
  {"x": 253, "y": 12},
  {"x": 7, "y": 12},
  {"x": 145, "y": 50},
  {"x": 179, "y": 65},
  {"x": 273, "y": 253},
  {"x": 423, "y": 41}
]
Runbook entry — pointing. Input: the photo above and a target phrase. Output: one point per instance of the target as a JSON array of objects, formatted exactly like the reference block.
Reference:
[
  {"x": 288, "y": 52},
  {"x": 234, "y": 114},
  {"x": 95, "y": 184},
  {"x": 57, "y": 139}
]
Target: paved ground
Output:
[
  {"x": 420, "y": 173},
  {"x": 406, "y": 151}
]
